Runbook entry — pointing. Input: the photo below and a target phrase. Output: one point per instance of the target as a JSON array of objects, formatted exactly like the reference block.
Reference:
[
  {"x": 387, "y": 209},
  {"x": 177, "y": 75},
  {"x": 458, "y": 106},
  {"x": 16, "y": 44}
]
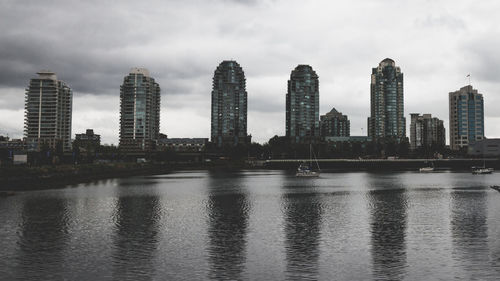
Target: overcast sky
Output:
[{"x": 92, "y": 45}]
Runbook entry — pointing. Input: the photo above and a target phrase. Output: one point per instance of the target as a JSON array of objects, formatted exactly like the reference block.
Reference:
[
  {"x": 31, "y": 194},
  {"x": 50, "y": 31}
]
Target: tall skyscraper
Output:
[
  {"x": 334, "y": 124},
  {"x": 48, "y": 109},
  {"x": 466, "y": 117},
  {"x": 229, "y": 105},
  {"x": 426, "y": 132},
  {"x": 302, "y": 105},
  {"x": 387, "y": 108},
  {"x": 139, "y": 111}
]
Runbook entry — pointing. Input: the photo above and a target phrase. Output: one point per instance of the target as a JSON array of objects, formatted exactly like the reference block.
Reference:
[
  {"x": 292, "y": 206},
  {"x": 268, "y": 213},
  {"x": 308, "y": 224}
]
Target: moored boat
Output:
[
  {"x": 481, "y": 170},
  {"x": 305, "y": 170},
  {"x": 426, "y": 169}
]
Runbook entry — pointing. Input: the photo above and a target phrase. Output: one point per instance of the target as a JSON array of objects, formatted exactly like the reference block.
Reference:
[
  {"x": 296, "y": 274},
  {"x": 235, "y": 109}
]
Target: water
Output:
[{"x": 256, "y": 225}]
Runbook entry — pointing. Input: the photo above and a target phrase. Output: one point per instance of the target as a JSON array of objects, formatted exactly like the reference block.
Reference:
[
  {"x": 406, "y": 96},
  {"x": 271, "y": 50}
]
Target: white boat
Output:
[
  {"x": 305, "y": 169},
  {"x": 482, "y": 170},
  {"x": 426, "y": 169}
]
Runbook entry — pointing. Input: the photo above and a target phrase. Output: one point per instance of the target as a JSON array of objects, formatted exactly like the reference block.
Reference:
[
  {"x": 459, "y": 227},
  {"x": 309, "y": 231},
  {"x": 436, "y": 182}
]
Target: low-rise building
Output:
[
  {"x": 89, "y": 139},
  {"x": 352, "y": 139},
  {"x": 426, "y": 131},
  {"x": 485, "y": 148},
  {"x": 182, "y": 144},
  {"x": 334, "y": 124},
  {"x": 13, "y": 144}
]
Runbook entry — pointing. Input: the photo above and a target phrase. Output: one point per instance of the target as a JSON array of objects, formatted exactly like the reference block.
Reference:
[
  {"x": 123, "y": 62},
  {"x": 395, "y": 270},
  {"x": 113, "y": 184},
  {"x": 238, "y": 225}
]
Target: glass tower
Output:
[
  {"x": 302, "y": 105},
  {"x": 139, "y": 111},
  {"x": 387, "y": 108},
  {"x": 466, "y": 117},
  {"x": 229, "y": 105},
  {"x": 48, "y": 110}
]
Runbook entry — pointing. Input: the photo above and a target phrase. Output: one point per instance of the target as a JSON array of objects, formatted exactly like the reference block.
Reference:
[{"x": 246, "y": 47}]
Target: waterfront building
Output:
[
  {"x": 88, "y": 138},
  {"x": 485, "y": 148},
  {"x": 48, "y": 110},
  {"x": 426, "y": 131},
  {"x": 12, "y": 144},
  {"x": 302, "y": 105},
  {"x": 87, "y": 141},
  {"x": 182, "y": 144},
  {"x": 334, "y": 124},
  {"x": 386, "y": 102},
  {"x": 347, "y": 139},
  {"x": 229, "y": 105},
  {"x": 466, "y": 117},
  {"x": 139, "y": 111}
]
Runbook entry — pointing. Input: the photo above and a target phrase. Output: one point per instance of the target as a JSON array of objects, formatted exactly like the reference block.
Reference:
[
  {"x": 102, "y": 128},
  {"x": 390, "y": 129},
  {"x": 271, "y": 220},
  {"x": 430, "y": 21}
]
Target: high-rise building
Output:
[
  {"x": 334, "y": 124},
  {"x": 48, "y": 109},
  {"x": 139, "y": 111},
  {"x": 302, "y": 105},
  {"x": 229, "y": 105},
  {"x": 466, "y": 117},
  {"x": 387, "y": 109},
  {"x": 426, "y": 131}
]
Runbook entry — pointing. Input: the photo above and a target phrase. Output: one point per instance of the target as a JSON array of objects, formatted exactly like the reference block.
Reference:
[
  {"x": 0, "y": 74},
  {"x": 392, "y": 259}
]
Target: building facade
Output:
[
  {"x": 48, "y": 112},
  {"x": 386, "y": 102},
  {"x": 302, "y": 105},
  {"x": 466, "y": 117},
  {"x": 182, "y": 144},
  {"x": 89, "y": 139},
  {"x": 229, "y": 105},
  {"x": 485, "y": 148},
  {"x": 426, "y": 131},
  {"x": 334, "y": 124},
  {"x": 139, "y": 111},
  {"x": 12, "y": 144}
]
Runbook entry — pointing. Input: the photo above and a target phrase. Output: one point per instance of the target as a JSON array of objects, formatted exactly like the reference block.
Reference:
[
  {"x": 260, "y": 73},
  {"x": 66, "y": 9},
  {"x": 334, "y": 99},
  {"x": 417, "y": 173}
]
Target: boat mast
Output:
[{"x": 310, "y": 155}]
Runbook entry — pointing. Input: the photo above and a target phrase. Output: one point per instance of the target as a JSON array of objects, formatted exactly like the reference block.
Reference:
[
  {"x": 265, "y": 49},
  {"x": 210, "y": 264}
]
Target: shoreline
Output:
[
  {"x": 22, "y": 178},
  {"x": 15, "y": 178}
]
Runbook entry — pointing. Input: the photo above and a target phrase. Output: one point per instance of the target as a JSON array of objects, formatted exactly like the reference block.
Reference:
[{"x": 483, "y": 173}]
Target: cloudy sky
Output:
[{"x": 92, "y": 45}]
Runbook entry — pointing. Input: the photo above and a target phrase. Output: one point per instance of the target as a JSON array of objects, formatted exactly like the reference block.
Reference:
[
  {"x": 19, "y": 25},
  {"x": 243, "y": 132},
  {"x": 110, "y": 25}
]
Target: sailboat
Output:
[
  {"x": 305, "y": 169},
  {"x": 482, "y": 170}
]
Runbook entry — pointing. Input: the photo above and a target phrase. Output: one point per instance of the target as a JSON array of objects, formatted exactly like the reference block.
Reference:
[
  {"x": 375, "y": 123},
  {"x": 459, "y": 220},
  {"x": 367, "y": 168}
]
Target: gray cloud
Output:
[
  {"x": 447, "y": 21},
  {"x": 483, "y": 57},
  {"x": 92, "y": 44}
]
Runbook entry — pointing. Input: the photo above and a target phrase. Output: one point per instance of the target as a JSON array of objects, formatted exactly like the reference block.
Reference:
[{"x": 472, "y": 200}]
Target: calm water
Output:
[{"x": 256, "y": 225}]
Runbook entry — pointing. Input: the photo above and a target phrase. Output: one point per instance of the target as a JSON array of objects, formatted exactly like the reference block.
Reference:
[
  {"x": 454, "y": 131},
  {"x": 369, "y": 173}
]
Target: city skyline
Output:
[{"x": 435, "y": 47}]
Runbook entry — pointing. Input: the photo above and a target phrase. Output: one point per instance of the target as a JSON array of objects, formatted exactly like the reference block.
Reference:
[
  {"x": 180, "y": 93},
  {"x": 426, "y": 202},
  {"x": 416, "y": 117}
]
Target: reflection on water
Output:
[
  {"x": 136, "y": 237},
  {"x": 470, "y": 231},
  {"x": 43, "y": 239},
  {"x": 302, "y": 231},
  {"x": 388, "y": 231},
  {"x": 256, "y": 226},
  {"x": 228, "y": 210}
]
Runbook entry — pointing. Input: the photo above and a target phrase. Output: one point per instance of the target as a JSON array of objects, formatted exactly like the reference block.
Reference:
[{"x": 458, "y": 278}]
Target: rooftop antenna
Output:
[{"x": 468, "y": 76}]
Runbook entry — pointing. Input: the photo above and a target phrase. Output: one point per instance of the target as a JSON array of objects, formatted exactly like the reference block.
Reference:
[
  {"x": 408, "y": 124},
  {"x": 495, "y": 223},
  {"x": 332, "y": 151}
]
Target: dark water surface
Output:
[{"x": 256, "y": 225}]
